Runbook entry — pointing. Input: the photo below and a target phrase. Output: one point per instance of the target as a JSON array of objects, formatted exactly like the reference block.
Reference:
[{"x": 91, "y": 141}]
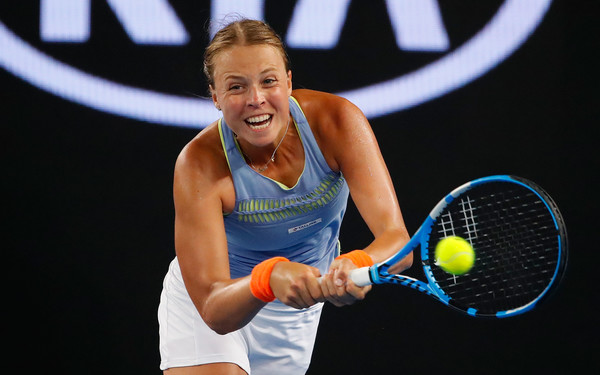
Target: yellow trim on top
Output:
[
  {"x": 220, "y": 127},
  {"x": 299, "y": 106}
]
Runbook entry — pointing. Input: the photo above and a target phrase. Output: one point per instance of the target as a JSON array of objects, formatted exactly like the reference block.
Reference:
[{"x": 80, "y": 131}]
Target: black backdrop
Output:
[{"x": 88, "y": 218}]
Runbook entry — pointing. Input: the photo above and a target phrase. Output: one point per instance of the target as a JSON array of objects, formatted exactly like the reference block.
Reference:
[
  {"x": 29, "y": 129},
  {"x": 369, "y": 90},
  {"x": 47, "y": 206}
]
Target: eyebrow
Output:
[{"x": 236, "y": 76}]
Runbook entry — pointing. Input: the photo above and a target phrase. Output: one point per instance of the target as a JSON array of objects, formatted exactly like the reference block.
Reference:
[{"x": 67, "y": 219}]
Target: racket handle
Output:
[{"x": 361, "y": 277}]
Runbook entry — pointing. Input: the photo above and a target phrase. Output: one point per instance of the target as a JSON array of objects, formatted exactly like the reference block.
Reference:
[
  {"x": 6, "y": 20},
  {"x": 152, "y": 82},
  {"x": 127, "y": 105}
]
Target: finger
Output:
[
  {"x": 357, "y": 292},
  {"x": 340, "y": 281},
  {"x": 338, "y": 277},
  {"x": 334, "y": 288},
  {"x": 316, "y": 292},
  {"x": 291, "y": 300},
  {"x": 302, "y": 293},
  {"x": 347, "y": 293},
  {"x": 314, "y": 286},
  {"x": 304, "y": 297},
  {"x": 329, "y": 290}
]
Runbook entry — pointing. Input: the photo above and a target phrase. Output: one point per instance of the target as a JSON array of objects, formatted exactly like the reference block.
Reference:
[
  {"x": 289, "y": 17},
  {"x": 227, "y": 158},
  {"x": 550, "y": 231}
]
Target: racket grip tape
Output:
[{"x": 361, "y": 276}]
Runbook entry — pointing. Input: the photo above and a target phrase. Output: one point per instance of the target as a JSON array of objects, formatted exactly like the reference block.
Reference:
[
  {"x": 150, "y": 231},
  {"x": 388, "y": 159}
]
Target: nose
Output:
[{"x": 256, "y": 96}]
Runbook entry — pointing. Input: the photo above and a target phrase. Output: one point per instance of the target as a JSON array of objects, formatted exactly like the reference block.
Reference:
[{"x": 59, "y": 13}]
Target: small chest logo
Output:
[{"x": 304, "y": 226}]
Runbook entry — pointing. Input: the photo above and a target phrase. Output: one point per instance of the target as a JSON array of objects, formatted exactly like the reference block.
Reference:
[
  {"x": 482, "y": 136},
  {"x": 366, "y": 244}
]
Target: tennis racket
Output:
[{"x": 520, "y": 244}]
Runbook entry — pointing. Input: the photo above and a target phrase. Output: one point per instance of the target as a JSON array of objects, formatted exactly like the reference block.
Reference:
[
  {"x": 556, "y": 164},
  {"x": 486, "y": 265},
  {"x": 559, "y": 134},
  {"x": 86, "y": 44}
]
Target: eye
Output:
[
  {"x": 235, "y": 87},
  {"x": 269, "y": 81}
]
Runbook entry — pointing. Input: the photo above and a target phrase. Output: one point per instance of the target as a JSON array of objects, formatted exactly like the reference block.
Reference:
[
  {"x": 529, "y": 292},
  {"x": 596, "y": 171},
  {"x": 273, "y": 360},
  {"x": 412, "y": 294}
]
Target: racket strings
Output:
[
  {"x": 469, "y": 219},
  {"x": 515, "y": 242}
]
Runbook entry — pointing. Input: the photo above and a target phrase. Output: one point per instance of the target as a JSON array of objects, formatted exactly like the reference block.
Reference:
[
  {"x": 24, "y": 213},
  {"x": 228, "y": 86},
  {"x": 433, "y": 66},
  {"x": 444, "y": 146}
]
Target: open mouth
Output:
[{"x": 259, "y": 122}]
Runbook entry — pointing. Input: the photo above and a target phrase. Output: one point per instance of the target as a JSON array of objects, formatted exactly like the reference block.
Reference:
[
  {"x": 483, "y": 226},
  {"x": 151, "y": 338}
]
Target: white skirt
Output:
[{"x": 279, "y": 340}]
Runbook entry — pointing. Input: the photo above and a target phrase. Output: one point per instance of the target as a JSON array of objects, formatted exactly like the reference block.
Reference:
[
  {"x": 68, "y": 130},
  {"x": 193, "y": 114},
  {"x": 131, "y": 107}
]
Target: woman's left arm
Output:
[{"x": 349, "y": 145}]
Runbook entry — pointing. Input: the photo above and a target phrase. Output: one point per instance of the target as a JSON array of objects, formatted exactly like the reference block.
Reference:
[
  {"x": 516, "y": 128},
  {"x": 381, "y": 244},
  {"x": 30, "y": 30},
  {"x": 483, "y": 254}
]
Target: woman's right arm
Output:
[{"x": 199, "y": 189}]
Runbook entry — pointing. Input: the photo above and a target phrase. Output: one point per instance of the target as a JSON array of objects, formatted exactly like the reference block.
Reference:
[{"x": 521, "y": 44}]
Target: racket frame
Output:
[{"x": 378, "y": 273}]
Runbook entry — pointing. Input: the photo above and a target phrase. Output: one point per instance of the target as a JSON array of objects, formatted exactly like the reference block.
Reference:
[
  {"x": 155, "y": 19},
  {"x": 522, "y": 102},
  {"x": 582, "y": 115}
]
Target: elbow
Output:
[
  {"x": 218, "y": 324},
  {"x": 221, "y": 330},
  {"x": 221, "y": 323},
  {"x": 224, "y": 311},
  {"x": 403, "y": 265},
  {"x": 408, "y": 261}
]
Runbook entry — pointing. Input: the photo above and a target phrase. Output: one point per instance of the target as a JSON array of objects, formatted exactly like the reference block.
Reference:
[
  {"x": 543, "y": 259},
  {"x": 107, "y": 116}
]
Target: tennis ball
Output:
[{"x": 454, "y": 255}]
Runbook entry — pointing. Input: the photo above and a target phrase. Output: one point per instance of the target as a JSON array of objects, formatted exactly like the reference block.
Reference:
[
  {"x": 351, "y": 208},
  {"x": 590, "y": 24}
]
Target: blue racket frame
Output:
[{"x": 379, "y": 274}]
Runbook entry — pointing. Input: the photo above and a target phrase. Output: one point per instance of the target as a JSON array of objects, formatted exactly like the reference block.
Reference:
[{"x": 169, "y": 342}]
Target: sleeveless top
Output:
[{"x": 301, "y": 223}]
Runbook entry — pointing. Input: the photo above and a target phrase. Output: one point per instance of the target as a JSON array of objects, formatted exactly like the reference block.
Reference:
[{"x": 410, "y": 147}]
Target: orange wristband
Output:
[
  {"x": 359, "y": 258},
  {"x": 260, "y": 278}
]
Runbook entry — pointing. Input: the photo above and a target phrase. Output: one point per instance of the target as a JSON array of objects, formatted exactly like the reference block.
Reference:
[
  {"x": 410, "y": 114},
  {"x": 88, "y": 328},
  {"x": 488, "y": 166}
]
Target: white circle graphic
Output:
[{"x": 500, "y": 37}]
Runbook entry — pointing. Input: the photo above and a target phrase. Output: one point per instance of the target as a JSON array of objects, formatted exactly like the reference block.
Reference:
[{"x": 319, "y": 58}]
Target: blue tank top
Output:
[{"x": 301, "y": 223}]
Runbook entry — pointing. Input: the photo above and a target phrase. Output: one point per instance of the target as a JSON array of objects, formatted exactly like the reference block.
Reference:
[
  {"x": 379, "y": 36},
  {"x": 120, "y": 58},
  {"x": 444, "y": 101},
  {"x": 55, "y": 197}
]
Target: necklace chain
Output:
[{"x": 272, "y": 158}]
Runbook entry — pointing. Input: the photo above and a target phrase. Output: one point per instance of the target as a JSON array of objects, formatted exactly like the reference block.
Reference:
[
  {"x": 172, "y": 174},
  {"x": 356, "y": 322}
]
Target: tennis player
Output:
[{"x": 259, "y": 198}]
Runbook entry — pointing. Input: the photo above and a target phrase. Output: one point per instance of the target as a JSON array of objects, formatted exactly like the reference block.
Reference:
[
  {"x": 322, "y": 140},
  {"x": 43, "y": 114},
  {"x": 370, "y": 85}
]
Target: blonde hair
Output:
[{"x": 244, "y": 32}]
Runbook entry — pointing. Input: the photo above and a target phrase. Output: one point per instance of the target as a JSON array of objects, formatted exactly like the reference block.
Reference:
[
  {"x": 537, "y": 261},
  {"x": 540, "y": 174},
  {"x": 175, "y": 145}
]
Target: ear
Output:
[
  {"x": 214, "y": 97},
  {"x": 289, "y": 82}
]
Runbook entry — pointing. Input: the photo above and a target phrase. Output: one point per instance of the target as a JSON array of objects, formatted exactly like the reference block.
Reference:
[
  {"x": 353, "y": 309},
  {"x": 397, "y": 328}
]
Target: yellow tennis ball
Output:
[{"x": 454, "y": 255}]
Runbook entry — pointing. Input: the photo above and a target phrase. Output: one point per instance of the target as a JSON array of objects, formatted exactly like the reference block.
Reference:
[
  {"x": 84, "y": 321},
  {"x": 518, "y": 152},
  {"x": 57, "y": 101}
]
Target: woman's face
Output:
[{"x": 251, "y": 87}]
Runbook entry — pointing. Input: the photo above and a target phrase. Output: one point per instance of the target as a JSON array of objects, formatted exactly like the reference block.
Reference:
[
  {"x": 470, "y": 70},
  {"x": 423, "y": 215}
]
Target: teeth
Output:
[
  {"x": 259, "y": 127},
  {"x": 255, "y": 119},
  {"x": 263, "y": 120}
]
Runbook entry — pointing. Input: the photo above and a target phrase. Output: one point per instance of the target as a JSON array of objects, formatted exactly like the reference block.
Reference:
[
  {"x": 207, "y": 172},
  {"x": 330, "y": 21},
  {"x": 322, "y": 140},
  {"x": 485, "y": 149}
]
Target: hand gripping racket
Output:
[{"x": 520, "y": 244}]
